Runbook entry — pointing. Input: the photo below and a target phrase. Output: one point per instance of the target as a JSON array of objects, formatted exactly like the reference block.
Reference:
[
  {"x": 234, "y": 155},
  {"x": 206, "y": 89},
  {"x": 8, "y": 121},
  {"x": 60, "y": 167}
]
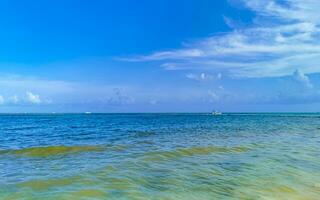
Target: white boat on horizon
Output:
[{"x": 216, "y": 112}]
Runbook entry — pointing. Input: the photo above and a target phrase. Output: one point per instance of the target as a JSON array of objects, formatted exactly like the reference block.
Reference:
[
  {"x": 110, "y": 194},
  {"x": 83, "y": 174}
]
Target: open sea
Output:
[{"x": 160, "y": 156}]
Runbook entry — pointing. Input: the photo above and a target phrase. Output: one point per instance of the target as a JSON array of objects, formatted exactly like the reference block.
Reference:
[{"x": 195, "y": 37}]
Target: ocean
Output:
[{"x": 160, "y": 156}]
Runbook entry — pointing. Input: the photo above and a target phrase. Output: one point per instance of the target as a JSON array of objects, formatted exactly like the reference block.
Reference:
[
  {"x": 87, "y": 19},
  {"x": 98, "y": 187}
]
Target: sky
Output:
[{"x": 159, "y": 56}]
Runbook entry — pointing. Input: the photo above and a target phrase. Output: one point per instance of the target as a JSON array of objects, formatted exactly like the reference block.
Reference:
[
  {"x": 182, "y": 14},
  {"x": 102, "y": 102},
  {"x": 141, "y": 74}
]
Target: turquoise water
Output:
[{"x": 160, "y": 156}]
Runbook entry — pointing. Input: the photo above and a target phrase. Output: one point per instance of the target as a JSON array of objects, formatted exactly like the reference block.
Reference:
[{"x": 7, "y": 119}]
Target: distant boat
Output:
[
  {"x": 216, "y": 113},
  {"x": 87, "y": 112}
]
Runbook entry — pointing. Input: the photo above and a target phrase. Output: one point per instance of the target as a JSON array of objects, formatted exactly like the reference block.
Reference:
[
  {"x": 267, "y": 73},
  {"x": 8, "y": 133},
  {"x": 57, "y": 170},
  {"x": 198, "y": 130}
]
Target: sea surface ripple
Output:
[{"x": 160, "y": 156}]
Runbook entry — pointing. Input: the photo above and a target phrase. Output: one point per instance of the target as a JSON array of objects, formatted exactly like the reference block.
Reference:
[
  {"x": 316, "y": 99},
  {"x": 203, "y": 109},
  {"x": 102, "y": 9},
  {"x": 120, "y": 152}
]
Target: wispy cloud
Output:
[
  {"x": 213, "y": 96},
  {"x": 14, "y": 99},
  {"x": 118, "y": 97},
  {"x": 180, "y": 54},
  {"x": 203, "y": 76},
  {"x": 284, "y": 36}
]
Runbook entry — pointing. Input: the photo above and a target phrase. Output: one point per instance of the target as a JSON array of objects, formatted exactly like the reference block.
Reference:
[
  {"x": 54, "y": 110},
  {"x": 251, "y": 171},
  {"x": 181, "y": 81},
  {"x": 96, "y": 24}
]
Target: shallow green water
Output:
[{"x": 160, "y": 156}]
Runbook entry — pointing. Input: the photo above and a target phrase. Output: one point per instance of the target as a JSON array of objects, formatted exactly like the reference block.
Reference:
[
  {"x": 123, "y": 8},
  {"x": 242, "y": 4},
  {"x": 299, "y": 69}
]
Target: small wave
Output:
[
  {"x": 144, "y": 133},
  {"x": 193, "y": 151},
  {"x": 22, "y": 128},
  {"x": 51, "y": 150}
]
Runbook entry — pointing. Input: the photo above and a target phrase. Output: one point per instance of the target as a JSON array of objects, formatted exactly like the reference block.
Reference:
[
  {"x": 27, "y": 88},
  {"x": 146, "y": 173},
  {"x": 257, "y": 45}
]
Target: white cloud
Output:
[
  {"x": 284, "y": 36},
  {"x": 2, "y": 101},
  {"x": 14, "y": 99},
  {"x": 33, "y": 98},
  {"x": 302, "y": 78}
]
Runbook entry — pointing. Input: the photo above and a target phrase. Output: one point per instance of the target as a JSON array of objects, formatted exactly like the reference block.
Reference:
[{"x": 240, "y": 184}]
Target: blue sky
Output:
[{"x": 159, "y": 56}]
